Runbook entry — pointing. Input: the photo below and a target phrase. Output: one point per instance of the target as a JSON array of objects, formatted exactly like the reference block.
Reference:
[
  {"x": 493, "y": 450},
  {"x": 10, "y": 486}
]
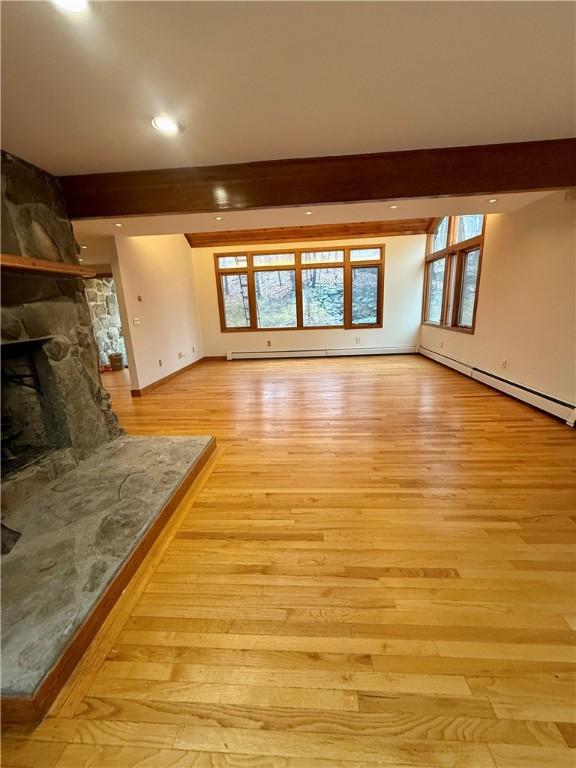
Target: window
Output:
[
  {"x": 452, "y": 272},
  {"x": 364, "y": 295},
  {"x": 276, "y": 298},
  {"x": 469, "y": 283},
  {"x": 231, "y": 262},
  {"x": 436, "y": 275},
  {"x": 236, "y": 305},
  {"x": 440, "y": 238},
  {"x": 336, "y": 288},
  {"x": 323, "y": 296},
  {"x": 364, "y": 254},
  {"x": 273, "y": 259},
  {"x": 319, "y": 257},
  {"x": 468, "y": 226}
]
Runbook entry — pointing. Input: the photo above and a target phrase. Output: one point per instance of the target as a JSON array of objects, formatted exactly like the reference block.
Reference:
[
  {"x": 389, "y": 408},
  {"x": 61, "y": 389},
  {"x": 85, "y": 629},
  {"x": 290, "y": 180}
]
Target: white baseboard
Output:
[
  {"x": 564, "y": 411},
  {"x": 371, "y": 351},
  {"x": 450, "y": 362},
  {"x": 349, "y": 351},
  {"x": 277, "y": 353}
]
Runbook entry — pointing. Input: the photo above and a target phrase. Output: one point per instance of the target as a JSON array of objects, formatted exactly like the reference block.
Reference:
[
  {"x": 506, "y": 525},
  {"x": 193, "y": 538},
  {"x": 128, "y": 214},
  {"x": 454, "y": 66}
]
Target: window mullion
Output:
[
  {"x": 252, "y": 293},
  {"x": 299, "y": 300},
  {"x": 457, "y": 288},
  {"x": 347, "y": 287}
]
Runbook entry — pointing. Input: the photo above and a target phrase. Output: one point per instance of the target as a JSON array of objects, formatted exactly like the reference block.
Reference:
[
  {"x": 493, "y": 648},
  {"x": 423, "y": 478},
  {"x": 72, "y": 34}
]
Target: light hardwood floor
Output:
[{"x": 377, "y": 568}]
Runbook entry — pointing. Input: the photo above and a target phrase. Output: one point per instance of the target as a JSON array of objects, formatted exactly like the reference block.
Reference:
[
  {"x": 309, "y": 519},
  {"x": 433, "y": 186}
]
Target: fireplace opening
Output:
[{"x": 31, "y": 427}]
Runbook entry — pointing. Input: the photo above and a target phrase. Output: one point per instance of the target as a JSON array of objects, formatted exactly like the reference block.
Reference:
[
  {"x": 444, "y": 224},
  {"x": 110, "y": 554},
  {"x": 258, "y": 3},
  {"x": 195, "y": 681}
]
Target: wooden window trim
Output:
[
  {"x": 437, "y": 257},
  {"x": 454, "y": 253},
  {"x": 346, "y": 265}
]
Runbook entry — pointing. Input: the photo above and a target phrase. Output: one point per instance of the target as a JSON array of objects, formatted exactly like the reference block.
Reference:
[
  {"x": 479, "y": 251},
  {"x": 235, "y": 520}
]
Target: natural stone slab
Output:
[{"x": 76, "y": 534}]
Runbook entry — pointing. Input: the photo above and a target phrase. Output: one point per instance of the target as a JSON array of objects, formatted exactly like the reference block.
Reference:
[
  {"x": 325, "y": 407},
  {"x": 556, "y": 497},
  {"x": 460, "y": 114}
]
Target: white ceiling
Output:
[
  {"x": 87, "y": 229},
  {"x": 266, "y": 80}
]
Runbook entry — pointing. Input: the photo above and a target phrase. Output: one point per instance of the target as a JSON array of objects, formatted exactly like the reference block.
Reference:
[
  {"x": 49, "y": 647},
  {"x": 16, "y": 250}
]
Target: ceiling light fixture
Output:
[
  {"x": 84, "y": 247},
  {"x": 218, "y": 218},
  {"x": 166, "y": 125},
  {"x": 118, "y": 225},
  {"x": 80, "y": 259},
  {"x": 72, "y": 6},
  {"x": 394, "y": 206},
  {"x": 492, "y": 200},
  {"x": 308, "y": 213}
]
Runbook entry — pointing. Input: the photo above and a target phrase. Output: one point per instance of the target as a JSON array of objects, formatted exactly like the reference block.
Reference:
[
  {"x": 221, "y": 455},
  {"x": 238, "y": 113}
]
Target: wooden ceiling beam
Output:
[
  {"x": 487, "y": 169},
  {"x": 308, "y": 233}
]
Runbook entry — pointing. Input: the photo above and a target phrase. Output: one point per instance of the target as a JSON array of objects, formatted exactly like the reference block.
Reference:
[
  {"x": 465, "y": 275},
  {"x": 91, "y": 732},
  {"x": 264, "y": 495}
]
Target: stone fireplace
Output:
[
  {"x": 81, "y": 502},
  {"x": 52, "y": 397}
]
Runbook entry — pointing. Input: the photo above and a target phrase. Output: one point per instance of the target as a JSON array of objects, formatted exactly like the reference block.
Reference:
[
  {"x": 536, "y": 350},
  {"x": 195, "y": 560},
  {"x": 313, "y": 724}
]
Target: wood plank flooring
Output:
[{"x": 377, "y": 568}]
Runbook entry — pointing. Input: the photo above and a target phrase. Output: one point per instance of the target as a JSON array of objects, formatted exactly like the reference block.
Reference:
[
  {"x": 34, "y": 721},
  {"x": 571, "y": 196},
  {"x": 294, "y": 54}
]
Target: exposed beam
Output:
[
  {"x": 313, "y": 232},
  {"x": 487, "y": 169}
]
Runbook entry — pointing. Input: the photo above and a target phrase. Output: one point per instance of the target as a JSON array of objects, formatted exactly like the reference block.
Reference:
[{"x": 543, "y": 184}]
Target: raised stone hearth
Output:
[{"x": 76, "y": 534}]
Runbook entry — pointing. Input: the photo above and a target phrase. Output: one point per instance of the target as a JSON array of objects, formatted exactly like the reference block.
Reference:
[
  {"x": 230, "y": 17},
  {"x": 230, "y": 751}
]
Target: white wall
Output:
[
  {"x": 404, "y": 256},
  {"x": 159, "y": 270},
  {"x": 527, "y": 302}
]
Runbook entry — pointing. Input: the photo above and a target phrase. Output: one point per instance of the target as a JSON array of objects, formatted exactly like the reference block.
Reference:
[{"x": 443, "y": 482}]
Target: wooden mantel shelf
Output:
[{"x": 43, "y": 266}]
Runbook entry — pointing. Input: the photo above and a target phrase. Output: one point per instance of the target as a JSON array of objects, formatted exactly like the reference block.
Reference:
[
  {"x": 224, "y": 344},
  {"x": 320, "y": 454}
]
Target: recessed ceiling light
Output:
[
  {"x": 492, "y": 200},
  {"x": 118, "y": 225},
  {"x": 84, "y": 247},
  {"x": 72, "y": 6},
  {"x": 218, "y": 218},
  {"x": 308, "y": 213},
  {"x": 394, "y": 206},
  {"x": 166, "y": 125},
  {"x": 80, "y": 259}
]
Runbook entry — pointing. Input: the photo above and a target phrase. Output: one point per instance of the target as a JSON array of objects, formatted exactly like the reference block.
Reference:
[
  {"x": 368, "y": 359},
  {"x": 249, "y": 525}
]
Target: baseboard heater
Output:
[
  {"x": 270, "y": 354},
  {"x": 561, "y": 409}
]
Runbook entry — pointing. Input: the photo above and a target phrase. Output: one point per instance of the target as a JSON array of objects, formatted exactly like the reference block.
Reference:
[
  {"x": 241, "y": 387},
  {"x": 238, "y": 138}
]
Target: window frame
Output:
[
  {"x": 455, "y": 255},
  {"x": 346, "y": 265}
]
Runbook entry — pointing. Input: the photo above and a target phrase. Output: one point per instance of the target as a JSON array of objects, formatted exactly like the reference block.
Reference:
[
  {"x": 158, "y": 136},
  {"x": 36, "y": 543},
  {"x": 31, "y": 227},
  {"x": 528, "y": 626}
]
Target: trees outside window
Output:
[
  {"x": 276, "y": 298},
  {"x": 452, "y": 274},
  {"x": 325, "y": 288}
]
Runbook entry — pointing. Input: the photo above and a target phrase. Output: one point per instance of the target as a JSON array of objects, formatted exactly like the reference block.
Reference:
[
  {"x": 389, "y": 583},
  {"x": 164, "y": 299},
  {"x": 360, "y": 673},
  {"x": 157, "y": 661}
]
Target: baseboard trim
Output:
[
  {"x": 547, "y": 403},
  {"x": 164, "y": 379},
  {"x": 19, "y": 709},
  {"x": 344, "y": 352}
]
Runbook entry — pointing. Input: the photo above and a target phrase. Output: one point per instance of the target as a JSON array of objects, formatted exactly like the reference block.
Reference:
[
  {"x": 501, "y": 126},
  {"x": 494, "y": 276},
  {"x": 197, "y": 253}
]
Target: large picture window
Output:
[
  {"x": 452, "y": 273},
  {"x": 322, "y": 288}
]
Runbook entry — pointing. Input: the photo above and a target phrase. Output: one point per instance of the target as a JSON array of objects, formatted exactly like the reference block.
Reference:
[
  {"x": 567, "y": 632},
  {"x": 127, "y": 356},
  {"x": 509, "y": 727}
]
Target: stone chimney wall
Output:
[
  {"x": 103, "y": 303},
  {"x": 35, "y": 224}
]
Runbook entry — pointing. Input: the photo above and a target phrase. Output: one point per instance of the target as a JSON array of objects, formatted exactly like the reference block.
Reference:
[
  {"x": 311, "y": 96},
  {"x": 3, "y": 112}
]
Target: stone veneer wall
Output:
[
  {"x": 35, "y": 224},
  {"x": 103, "y": 303}
]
